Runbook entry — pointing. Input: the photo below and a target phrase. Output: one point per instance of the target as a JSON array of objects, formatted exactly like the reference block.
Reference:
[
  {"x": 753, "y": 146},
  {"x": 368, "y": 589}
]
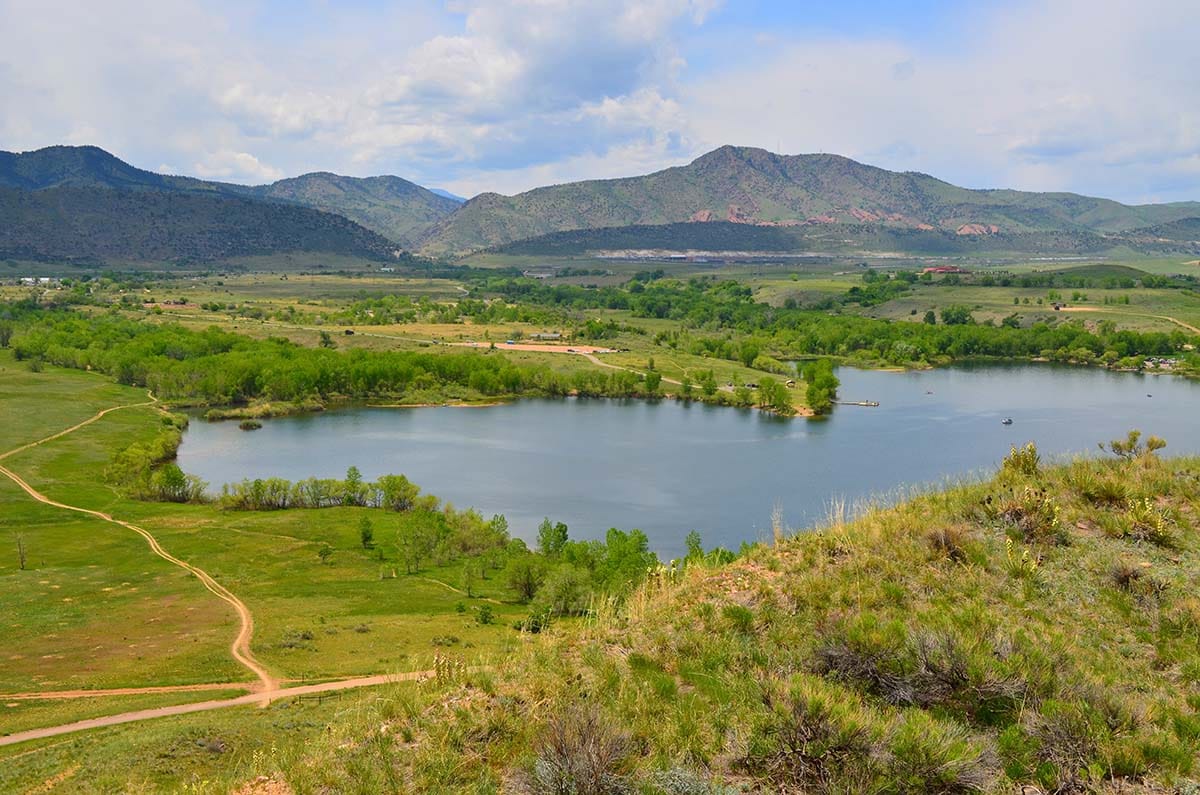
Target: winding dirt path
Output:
[
  {"x": 265, "y": 691},
  {"x": 98, "y": 415},
  {"x": 261, "y": 699},
  {"x": 240, "y": 648},
  {"x": 54, "y": 695},
  {"x": 1174, "y": 320}
]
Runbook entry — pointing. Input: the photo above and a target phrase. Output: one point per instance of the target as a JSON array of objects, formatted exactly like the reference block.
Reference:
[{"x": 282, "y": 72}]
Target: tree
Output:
[
  {"x": 352, "y": 488},
  {"x": 774, "y": 396},
  {"x": 931, "y": 318},
  {"x": 551, "y": 538},
  {"x": 822, "y": 386},
  {"x": 742, "y": 396},
  {"x": 325, "y": 553},
  {"x": 525, "y": 575},
  {"x": 366, "y": 533},
  {"x": 566, "y": 591},
  {"x": 653, "y": 380},
  {"x": 6, "y": 332},
  {"x": 469, "y": 578},
  {"x": 327, "y": 340},
  {"x": 414, "y": 544},
  {"x": 397, "y": 493},
  {"x": 957, "y": 315},
  {"x": 695, "y": 546},
  {"x": 686, "y": 388},
  {"x": 22, "y": 558}
]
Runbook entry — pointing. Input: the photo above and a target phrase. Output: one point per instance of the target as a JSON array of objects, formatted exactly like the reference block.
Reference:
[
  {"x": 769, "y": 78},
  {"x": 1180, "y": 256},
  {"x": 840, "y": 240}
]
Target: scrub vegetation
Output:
[{"x": 1038, "y": 628}]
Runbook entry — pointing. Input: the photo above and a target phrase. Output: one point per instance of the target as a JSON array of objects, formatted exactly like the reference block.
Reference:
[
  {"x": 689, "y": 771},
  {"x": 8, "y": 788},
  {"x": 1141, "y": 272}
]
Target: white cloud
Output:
[
  {"x": 1091, "y": 96},
  {"x": 235, "y": 166},
  {"x": 1096, "y": 96}
]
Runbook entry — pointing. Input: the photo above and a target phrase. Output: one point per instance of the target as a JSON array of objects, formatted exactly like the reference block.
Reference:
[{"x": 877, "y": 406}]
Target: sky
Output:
[{"x": 1100, "y": 97}]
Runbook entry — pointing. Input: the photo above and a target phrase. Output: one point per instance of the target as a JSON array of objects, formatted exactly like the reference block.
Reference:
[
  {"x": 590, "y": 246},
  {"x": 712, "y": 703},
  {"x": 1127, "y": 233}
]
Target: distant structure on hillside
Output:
[{"x": 945, "y": 269}]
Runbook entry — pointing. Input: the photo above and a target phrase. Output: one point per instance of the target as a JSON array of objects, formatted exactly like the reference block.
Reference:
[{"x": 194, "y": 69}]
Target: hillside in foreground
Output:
[{"x": 1038, "y": 630}]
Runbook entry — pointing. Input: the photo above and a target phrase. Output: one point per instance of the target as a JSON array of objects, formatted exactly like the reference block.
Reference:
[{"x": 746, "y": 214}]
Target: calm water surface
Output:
[{"x": 668, "y": 468}]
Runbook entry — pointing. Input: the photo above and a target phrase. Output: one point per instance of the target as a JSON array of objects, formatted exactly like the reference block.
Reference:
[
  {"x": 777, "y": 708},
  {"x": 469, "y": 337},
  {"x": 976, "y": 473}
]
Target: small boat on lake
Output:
[{"x": 1006, "y": 421}]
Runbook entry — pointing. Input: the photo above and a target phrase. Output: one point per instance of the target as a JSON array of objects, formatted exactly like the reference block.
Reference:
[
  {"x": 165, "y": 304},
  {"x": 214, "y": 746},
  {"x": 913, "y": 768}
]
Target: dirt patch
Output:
[
  {"x": 529, "y": 346},
  {"x": 265, "y": 785}
]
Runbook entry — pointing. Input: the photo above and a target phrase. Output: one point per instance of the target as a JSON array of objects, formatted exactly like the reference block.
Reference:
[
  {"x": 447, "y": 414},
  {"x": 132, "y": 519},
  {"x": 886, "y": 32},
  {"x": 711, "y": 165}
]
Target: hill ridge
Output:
[{"x": 754, "y": 186}]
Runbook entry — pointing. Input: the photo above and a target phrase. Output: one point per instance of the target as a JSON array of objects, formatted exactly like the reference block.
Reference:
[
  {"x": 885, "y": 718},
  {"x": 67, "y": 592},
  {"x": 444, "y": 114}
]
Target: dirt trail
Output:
[
  {"x": 1174, "y": 320},
  {"x": 596, "y": 361},
  {"x": 204, "y": 706},
  {"x": 151, "y": 402},
  {"x": 240, "y": 648},
  {"x": 52, "y": 695}
]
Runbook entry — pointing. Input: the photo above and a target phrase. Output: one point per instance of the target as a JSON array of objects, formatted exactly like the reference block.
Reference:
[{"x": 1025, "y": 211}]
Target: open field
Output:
[{"x": 157, "y": 625}]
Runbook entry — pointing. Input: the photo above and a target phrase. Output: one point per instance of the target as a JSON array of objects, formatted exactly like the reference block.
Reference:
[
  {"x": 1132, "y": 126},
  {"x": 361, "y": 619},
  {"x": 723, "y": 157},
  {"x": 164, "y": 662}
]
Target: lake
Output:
[{"x": 668, "y": 467}]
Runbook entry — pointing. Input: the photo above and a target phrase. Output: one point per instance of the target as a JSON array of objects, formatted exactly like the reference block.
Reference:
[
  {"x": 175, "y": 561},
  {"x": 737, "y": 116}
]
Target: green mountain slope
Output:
[
  {"x": 753, "y": 186},
  {"x": 723, "y": 236},
  {"x": 105, "y": 225},
  {"x": 394, "y": 207},
  {"x": 390, "y": 206}
]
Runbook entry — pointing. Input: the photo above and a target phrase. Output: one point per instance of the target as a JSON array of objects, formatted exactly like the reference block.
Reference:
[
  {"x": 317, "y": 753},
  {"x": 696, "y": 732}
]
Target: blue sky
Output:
[{"x": 1093, "y": 96}]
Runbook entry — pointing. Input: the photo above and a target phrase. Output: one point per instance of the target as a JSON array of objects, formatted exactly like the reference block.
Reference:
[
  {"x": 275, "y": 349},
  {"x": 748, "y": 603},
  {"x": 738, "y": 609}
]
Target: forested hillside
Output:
[{"x": 96, "y": 224}]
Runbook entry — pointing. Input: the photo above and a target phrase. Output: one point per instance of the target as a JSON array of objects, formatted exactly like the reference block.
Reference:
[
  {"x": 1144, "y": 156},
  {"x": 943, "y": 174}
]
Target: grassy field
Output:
[
  {"x": 355, "y": 614},
  {"x": 210, "y": 752}
]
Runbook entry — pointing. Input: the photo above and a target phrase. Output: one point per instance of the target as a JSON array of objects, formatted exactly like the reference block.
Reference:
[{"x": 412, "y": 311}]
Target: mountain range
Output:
[
  {"x": 753, "y": 187},
  {"x": 66, "y": 202}
]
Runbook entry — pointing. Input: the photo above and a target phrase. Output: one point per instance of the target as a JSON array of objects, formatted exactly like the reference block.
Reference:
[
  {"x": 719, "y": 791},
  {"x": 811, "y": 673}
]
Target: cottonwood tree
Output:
[
  {"x": 525, "y": 575},
  {"x": 551, "y": 538}
]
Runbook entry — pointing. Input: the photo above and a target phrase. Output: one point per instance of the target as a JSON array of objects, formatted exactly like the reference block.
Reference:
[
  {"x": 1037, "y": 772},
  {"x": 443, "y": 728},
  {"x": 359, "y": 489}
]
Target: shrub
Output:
[
  {"x": 924, "y": 669},
  {"x": 681, "y": 781},
  {"x": 296, "y": 639},
  {"x": 582, "y": 754},
  {"x": 1066, "y": 737},
  {"x": 1145, "y": 521},
  {"x": 1125, "y": 574},
  {"x": 1025, "y": 461},
  {"x": 936, "y": 757},
  {"x": 1020, "y": 566},
  {"x": 485, "y": 615},
  {"x": 535, "y": 622},
  {"x": 1029, "y": 513},
  {"x": 1132, "y": 447},
  {"x": 950, "y": 542},
  {"x": 1099, "y": 490},
  {"x": 814, "y": 739}
]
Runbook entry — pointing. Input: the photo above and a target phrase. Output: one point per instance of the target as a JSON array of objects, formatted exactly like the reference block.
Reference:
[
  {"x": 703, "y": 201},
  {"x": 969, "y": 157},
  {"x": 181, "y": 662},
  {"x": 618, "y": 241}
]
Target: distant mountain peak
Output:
[
  {"x": 445, "y": 194},
  {"x": 753, "y": 186},
  {"x": 388, "y": 205}
]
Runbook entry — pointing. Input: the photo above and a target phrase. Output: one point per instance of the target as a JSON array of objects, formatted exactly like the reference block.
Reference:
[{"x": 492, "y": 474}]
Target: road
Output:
[{"x": 261, "y": 699}]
